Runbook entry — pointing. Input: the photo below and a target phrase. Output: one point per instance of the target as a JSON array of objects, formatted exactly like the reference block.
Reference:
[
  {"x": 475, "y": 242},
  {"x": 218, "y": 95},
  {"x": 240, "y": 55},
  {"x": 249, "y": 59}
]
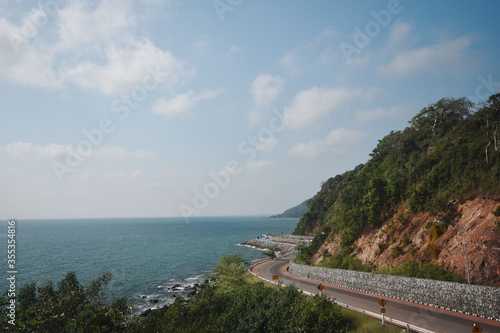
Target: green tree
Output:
[
  {"x": 229, "y": 271},
  {"x": 439, "y": 157},
  {"x": 489, "y": 117},
  {"x": 244, "y": 308},
  {"x": 271, "y": 252},
  {"x": 437, "y": 119},
  {"x": 375, "y": 199},
  {"x": 71, "y": 307}
]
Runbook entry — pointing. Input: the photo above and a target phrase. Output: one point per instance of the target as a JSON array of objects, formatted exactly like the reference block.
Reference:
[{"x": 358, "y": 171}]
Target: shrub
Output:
[
  {"x": 382, "y": 247},
  {"x": 412, "y": 268},
  {"x": 396, "y": 251},
  {"x": 433, "y": 251},
  {"x": 436, "y": 231},
  {"x": 496, "y": 212},
  {"x": 70, "y": 307},
  {"x": 402, "y": 220},
  {"x": 345, "y": 261},
  {"x": 413, "y": 249},
  {"x": 245, "y": 308},
  {"x": 406, "y": 241}
]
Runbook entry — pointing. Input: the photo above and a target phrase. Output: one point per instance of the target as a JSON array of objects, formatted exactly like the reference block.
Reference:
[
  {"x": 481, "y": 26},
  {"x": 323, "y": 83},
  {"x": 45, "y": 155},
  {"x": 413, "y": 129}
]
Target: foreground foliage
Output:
[
  {"x": 69, "y": 307},
  {"x": 228, "y": 304}
]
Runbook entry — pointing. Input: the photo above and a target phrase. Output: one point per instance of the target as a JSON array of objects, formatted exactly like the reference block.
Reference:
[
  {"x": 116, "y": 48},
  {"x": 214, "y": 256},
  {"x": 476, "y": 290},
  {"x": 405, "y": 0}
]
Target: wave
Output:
[
  {"x": 249, "y": 246},
  {"x": 165, "y": 293}
]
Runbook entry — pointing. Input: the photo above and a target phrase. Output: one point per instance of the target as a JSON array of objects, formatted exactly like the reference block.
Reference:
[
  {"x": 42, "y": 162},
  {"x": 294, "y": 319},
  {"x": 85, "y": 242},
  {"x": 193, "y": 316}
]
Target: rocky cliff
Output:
[{"x": 416, "y": 236}]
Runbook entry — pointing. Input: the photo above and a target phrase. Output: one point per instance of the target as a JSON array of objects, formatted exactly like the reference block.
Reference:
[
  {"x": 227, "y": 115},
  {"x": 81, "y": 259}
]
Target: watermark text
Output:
[{"x": 11, "y": 271}]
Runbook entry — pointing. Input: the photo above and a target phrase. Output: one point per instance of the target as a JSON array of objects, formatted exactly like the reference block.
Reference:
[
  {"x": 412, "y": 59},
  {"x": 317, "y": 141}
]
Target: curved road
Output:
[{"x": 429, "y": 318}]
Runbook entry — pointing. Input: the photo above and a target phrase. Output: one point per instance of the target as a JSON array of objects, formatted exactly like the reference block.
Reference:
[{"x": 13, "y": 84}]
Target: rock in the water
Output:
[{"x": 146, "y": 313}]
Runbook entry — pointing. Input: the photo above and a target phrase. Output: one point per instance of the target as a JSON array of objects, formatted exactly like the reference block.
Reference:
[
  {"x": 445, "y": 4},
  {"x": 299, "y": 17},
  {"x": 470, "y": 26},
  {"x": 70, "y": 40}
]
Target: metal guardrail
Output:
[{"x": 407, "y": 326}]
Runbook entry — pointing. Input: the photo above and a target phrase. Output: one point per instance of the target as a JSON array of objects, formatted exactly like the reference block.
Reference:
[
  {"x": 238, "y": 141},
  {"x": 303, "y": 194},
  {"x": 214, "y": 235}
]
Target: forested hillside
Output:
[{"x": 450, "y": 150}]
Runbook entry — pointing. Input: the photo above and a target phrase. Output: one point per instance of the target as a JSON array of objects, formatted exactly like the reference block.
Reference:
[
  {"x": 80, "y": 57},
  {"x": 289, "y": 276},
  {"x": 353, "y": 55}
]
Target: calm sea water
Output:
[{"x": 146, "y": 256}]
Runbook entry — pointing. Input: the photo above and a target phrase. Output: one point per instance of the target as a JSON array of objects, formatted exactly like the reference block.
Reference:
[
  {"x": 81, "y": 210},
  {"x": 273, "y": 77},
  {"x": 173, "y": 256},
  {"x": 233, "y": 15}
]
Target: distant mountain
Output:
[{"x": 294, "y": 212}]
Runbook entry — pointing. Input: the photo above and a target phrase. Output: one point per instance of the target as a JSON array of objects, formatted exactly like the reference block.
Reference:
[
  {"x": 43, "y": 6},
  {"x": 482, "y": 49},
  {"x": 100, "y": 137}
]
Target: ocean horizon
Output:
[{"x": 152, "y": 260}]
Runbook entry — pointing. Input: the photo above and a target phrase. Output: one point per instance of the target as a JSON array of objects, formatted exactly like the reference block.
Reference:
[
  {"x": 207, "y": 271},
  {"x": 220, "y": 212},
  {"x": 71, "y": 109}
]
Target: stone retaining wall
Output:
[{"x": 476, "y": 300}]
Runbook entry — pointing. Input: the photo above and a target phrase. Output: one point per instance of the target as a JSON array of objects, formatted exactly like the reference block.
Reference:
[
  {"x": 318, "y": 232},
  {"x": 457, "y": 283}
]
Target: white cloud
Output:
[
  {"x": 183, "y": 103},
  {"x": 337, "y": 142},
  {"x": 289, "y": 62},
  {"x": 361, "y": 60},
  {"x": 52, "y": 151},
  {"x": 122, "y": 153},
  {"x": 294, "y": 61},
  {"x": 267, "y": 145},
  {"x": 79, "y": 24},
  {"x": 175, "y": 106},
  {"x": 20, "y": 60},
  {"x": 399, "y": 32},
  {"x": 94, "y": 49},
  {"x": 325, "y": 34},
  {"x": 380, "y": 113},
  {"x": 449, "y": 56},
  {"x": 115, "y": 175},
  {"x": 265, "y": 88},
  {"x": 28, "y": 151},
  {"x": 126, "y": 67},
  {"x": 258, "y": 166},
  {"x": 309, "y": 106}
]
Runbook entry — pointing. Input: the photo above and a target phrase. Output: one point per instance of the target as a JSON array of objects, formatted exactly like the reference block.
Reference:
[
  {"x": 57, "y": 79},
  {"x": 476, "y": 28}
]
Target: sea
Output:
[{"x": 151, "y": 260}]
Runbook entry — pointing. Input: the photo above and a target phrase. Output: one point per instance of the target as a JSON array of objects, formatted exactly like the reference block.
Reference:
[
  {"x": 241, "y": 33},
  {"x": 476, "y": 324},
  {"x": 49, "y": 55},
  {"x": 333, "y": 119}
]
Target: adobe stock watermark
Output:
[
  {"x": 11, "y": 272},
  {"x": 34, "y": 21},
  {"x": 223, "y": 6},
  {"x": 484, "y": 89},
  {"x": 362, "y": 37},
  {"x": 94, "y": 137},
  {"x": 249, "y": 149}
]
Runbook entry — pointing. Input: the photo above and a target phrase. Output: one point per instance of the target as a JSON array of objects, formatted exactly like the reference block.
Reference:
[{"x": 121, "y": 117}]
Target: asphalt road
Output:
[{"x": 432, "y": 319}]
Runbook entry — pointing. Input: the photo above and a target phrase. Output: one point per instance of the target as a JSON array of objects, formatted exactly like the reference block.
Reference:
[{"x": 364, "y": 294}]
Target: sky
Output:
[{"x": 148, "y": 108}]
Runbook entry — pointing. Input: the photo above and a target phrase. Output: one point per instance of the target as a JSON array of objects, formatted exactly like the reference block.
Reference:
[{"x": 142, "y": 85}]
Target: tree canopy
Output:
[{"x": 449, "y": 149}]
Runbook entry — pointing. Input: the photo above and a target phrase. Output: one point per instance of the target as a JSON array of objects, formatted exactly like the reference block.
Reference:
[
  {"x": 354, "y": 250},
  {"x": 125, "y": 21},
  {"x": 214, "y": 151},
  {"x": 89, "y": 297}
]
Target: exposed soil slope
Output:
[{"x": 415, "y": 236}]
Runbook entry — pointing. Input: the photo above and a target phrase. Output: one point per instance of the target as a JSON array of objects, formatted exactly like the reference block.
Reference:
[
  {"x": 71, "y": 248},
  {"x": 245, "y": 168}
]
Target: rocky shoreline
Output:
[{"x": 282, "y": 245}]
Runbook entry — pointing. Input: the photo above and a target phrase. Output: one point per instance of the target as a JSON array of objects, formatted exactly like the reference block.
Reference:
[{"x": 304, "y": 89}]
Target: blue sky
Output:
[{"x": 190, "y": 108}]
